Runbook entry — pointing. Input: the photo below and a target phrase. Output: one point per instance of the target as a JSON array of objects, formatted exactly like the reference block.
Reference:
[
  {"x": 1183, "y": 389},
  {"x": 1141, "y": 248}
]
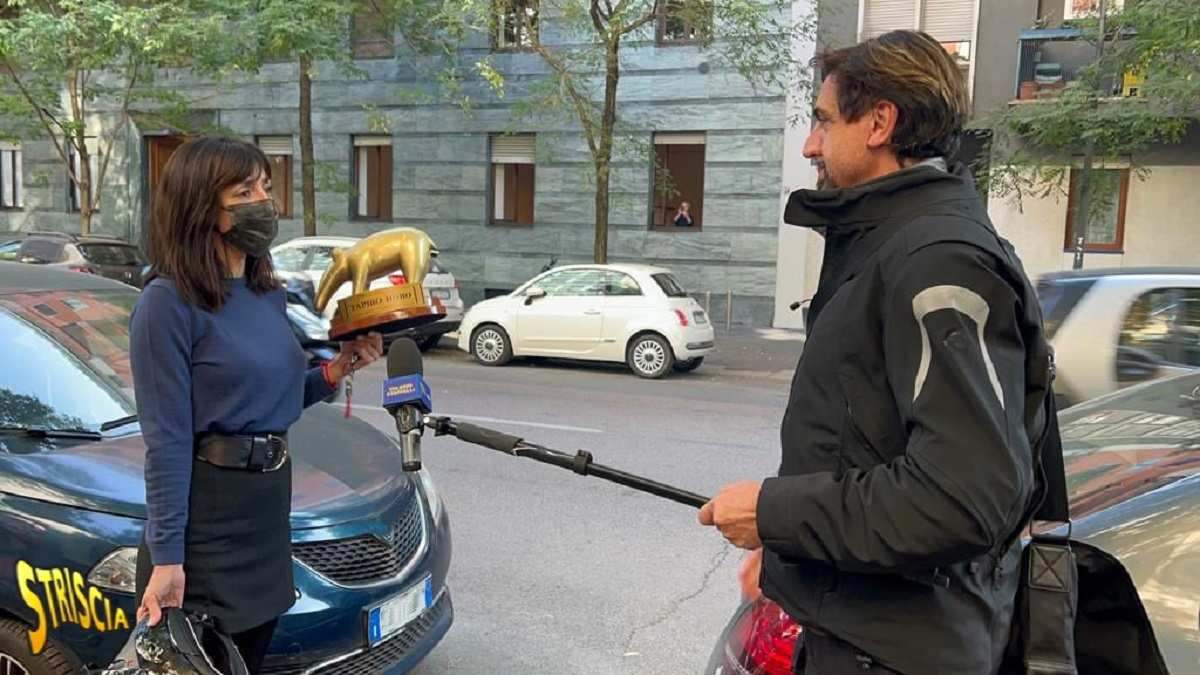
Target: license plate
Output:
[
  {"x": 392, "y": 615},
  {"x": 440, "y": 295},
  {"x": 700, "y": 317}
]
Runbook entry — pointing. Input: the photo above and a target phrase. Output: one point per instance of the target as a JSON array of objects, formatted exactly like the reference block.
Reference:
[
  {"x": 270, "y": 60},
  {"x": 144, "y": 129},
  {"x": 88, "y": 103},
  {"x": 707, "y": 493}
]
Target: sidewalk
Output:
[{"x": 757, "y": 352}]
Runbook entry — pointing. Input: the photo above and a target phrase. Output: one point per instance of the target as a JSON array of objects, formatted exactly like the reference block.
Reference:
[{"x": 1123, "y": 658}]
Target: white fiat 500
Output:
[{"x": 631, "y": 313}]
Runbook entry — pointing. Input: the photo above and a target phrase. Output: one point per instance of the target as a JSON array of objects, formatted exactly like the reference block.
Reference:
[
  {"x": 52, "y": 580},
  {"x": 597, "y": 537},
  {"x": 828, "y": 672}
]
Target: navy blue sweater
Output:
[{"x": 238, "y": 370}]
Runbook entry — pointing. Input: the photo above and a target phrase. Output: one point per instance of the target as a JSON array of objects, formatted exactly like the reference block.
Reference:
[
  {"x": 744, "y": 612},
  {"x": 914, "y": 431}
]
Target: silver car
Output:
[
  {"x": 1115, "y": 327},
  {"x": 1133, "y": 478}
]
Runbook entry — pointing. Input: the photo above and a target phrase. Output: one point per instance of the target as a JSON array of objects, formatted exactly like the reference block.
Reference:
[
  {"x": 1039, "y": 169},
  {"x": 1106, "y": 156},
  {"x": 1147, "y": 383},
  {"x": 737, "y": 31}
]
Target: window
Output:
[
  {"x": 373, "y": 177},
  {"x": 1106, "y": 219},
  {"x": 112, "y": 254},
  {"x": 11, "y": 189},
  {"x": 77, "y": 198},
  {"x": 669, "y": 286},
  {"x": 678, "y": 180},
  {"x": 42, "y": 250},
  {"x": 682, "y": 22},
  {"x": 289, "y": 259},
  {"x": 278, "y": 150},
  {"x": 1163, "y": 327},
  {"x": 371, "y": 33},
  {"x": 574, "y": 283},
  {"x": 950, "y": 22},
  {"x": 619, "y": 283},
  {"x": 512, "y": 179},
  {"x": 516, "y": 24}
]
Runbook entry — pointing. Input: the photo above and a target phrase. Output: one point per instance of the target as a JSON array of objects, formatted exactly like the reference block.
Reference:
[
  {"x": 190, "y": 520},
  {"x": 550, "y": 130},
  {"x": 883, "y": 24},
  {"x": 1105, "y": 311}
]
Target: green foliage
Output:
[
  {"x": 64, "y": 62},
  {"x": 1160, "y": 39}
]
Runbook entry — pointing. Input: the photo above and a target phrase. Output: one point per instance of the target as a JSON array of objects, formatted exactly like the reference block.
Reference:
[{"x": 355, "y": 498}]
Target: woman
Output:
[
  {"x": 683, "y": 217},
  {"x": 219, "y": 378}
]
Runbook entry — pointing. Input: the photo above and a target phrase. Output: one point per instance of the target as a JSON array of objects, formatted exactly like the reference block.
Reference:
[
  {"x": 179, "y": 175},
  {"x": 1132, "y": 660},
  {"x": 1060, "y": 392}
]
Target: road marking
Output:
[{"x": 495, "y": 420}]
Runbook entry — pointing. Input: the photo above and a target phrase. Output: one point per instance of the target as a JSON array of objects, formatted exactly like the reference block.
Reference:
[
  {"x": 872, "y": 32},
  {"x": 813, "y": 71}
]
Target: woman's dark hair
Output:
[
  {"x": 913, "y": 71},
  {"x": 187, "y": 204}
]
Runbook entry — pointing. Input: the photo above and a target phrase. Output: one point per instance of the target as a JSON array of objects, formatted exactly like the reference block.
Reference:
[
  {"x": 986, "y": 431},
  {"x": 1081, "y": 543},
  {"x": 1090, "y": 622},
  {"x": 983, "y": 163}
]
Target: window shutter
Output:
[
  {"x": 881, "y": 16},
  {"x": 513, "y": 149},
  {"x": 275, "y": 145},
  {"x": 949, "y": 20},
  {"x": 685, "y": 138}
]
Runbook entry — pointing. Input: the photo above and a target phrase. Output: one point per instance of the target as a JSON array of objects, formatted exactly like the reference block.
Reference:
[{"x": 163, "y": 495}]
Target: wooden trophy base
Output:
[{"x": 385, "y": 310}]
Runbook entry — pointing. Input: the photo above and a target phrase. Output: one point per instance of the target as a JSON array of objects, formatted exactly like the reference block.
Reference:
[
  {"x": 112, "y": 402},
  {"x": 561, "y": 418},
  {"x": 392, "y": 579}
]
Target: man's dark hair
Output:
[
  {"x": 913, "y": 71},
  {"x": 187, "y": 204}
]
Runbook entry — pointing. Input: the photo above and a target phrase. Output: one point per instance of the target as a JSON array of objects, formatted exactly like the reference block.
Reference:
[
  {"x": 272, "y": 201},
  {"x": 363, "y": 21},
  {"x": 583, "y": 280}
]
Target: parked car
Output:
[
  {"x": 313, "y": 255},
  {"x": 105, "y": 256},
  {"x": 371, "y": 543},
  {"x": 634, "y": 314},
  {"x": 1133, "y": 477},
  {"x": 1115, "y": 327}
]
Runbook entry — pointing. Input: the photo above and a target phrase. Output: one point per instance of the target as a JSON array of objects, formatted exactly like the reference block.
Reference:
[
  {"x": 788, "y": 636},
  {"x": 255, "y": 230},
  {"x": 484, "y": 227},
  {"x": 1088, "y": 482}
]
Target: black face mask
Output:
[{"x": 255, "y": 225}]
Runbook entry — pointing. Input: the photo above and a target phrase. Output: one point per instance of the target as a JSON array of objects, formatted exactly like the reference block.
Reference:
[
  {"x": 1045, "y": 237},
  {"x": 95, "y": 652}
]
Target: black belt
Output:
[{"x": 262, "y": 452}]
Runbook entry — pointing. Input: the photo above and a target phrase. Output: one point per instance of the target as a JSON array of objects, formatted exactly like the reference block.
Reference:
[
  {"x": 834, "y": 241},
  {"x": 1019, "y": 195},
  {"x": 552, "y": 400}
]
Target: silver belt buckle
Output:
[{"x": 277, "y": 453}]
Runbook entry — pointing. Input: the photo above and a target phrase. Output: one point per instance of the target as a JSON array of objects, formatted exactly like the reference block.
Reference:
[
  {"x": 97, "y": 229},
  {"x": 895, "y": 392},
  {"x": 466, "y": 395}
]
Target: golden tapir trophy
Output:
[{"x": 385, "y": 310}]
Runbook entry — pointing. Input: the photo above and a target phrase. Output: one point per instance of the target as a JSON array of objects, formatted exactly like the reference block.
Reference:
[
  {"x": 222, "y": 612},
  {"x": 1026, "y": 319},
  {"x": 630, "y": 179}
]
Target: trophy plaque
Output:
[{"x": 384, "y": 310}]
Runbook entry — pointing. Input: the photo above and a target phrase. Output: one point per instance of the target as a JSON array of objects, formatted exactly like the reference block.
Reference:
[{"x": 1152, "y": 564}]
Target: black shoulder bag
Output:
[{"x": 1077, "y": 610}]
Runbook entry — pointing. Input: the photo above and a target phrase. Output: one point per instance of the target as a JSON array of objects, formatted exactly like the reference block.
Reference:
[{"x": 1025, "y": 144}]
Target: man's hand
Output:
[
  {"x": 734, "y": 511},
  {"x": 749, "y": 575}
]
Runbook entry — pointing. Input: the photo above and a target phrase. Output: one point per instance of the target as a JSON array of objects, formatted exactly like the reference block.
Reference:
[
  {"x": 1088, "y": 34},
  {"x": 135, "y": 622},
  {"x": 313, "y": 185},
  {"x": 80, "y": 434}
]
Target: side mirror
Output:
[{"x": 533, "y": 293}]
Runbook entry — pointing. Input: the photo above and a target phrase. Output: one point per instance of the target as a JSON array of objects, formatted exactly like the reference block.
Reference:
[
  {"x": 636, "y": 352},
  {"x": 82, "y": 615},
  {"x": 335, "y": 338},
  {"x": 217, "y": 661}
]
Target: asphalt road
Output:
[{"x": 558, "y": 573}]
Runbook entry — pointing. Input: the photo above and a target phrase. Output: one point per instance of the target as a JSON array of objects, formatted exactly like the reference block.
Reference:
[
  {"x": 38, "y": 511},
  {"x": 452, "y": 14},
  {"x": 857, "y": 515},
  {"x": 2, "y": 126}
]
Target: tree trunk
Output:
[
  {"x": 84, "y": 180},
  {"x": 307, "y": 169},
  {"x": 603, "y": 158},
  {"x": 601, "y": 248}
]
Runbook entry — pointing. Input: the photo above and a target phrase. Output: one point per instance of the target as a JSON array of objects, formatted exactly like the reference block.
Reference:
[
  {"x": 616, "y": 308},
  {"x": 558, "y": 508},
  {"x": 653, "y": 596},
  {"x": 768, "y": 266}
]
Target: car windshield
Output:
[
  {"x": 65, "y": 363},
  {"x": 1126, "y": 444},
  {"x": 112, "y": 254},
  {"x": 669, "y": 286},
  {"x": 1058, "y": 298}
]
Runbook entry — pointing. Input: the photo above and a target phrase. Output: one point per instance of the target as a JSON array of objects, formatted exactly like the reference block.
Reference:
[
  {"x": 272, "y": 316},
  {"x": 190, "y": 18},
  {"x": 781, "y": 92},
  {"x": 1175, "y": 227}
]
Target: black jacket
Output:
[{"x": 907, "y": 467}]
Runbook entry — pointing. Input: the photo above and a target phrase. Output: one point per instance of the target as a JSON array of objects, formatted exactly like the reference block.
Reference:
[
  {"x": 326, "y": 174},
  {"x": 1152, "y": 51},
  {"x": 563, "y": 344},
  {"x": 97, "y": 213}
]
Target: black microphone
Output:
[{"x": 407, "y": 398}]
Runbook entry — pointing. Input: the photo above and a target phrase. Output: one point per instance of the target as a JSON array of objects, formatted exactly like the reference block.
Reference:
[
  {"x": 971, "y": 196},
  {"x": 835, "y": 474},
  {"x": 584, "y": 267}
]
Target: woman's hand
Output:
[
  {"x": 165, "y": 589},
  {"x": 368, "y": 348}
]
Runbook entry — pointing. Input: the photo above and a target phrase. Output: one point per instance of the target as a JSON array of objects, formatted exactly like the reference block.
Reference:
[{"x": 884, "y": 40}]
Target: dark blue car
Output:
[{"x": 371, "y": 544}]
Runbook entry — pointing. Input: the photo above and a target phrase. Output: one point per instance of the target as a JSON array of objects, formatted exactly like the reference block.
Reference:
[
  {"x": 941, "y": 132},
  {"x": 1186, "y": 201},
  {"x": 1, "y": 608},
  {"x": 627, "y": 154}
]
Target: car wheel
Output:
[
  {"x": 490, "y": 345},
  {"x": 429, "y": 342},
  {"x": 650, "y": 356},
  {"x": 688, "y": 365},
  {"x": 16, "y": 659}
]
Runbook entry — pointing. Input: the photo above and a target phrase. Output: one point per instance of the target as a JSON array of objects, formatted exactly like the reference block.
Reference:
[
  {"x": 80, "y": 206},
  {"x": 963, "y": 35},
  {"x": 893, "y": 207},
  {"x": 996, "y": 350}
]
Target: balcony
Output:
[{"x": 1048, "y": 59}]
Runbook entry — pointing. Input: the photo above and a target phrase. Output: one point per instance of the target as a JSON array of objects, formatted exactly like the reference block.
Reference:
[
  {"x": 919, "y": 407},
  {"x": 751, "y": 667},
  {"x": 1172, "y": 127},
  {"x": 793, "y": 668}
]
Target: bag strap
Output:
[{"x": 1054, "y": 506}]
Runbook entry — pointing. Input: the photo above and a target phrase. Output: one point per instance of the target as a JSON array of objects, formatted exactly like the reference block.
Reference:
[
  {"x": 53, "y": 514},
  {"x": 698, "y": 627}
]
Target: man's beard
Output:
[{"x": 823, "y": 180}]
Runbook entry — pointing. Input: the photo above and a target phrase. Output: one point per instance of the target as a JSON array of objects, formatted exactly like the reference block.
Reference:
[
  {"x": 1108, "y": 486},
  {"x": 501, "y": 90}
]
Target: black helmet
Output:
[{"x": 180, "y": 644}]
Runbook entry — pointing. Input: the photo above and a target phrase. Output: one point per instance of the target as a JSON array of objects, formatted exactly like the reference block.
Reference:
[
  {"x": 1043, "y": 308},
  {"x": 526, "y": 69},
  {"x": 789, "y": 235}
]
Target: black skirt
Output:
[{"x": 238, "y": 551}]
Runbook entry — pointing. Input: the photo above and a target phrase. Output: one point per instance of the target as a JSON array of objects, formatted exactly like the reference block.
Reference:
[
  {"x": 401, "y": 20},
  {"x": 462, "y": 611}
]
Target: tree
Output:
[
  {"x": 752, "y": 36},
  {"x": 312, "y": 31},
  {"x": 66, "y": 63},
  {"x": 1156, "y": 39}
]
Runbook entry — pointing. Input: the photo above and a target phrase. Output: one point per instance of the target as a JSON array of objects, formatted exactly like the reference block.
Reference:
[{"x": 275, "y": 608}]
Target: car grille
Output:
[
  {"x": 366, "y": 559},
  {"x": 379, "y": 658}
]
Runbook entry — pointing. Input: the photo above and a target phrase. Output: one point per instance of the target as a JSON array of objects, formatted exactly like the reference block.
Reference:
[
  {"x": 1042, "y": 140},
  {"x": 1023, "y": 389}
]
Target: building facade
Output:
[{"x": 500, "y": 195}]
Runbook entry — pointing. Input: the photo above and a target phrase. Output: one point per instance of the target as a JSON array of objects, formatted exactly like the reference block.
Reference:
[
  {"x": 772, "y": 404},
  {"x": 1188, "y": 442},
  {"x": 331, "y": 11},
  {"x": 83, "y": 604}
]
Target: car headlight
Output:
[
  {"x": 116, "y": 572},
  {"x": 431, "y": 494}
]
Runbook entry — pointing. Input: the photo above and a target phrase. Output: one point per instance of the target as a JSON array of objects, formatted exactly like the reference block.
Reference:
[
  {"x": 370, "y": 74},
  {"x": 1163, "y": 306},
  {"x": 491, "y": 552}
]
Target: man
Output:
[{"x": 891, "y": 531}]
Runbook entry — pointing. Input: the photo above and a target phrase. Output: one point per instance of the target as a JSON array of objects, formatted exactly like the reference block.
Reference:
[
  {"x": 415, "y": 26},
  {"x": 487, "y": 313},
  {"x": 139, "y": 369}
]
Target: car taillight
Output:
[
  {"x": 682, "y": 316},
  {"x": 81, "y": 268},
  {"x": 396, "y": 279},
  {"x": 764, "y": 641}
]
